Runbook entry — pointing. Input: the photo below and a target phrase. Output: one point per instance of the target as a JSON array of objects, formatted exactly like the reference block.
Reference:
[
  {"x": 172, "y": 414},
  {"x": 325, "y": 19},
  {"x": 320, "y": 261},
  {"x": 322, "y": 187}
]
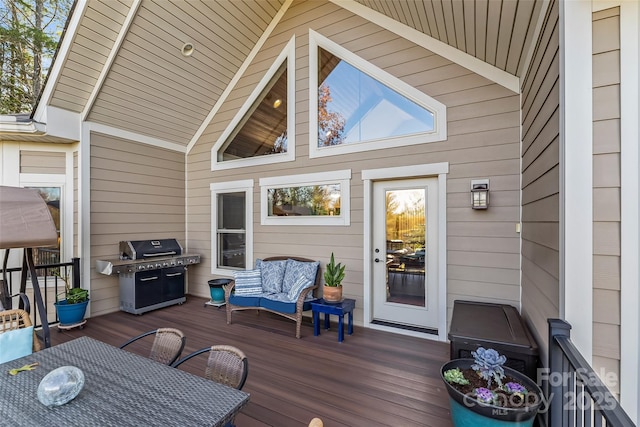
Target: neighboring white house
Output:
[{"x": 151, "y": 117}]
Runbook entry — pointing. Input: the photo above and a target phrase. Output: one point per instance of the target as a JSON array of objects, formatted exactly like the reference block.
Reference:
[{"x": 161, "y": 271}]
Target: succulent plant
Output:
[
  {"x": 488, "y": 364},
  {"x": 455, "y": 376},
  {"x": 484, "y": 395}
]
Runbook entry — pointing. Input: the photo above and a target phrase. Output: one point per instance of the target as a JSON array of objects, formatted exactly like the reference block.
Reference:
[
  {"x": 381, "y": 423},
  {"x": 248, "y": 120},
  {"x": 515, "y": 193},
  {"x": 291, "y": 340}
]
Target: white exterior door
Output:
[{"x": 405, "y": 253}]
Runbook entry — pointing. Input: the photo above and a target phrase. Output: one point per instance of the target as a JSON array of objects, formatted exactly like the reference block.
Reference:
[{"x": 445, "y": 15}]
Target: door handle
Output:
[{"x": 174, "y": 274}]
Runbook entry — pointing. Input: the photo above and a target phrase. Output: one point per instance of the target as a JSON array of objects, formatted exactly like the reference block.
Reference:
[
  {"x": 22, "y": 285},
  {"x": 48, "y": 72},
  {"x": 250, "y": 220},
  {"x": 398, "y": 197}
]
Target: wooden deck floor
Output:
[{"x": 373, "y": 378}]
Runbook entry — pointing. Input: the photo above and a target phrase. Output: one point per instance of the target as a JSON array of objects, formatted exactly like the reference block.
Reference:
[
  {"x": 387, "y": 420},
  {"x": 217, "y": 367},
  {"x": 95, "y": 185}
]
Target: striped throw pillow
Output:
[
  {"x": 301, "y": 283},
  {"x": 248, "y": 282}
]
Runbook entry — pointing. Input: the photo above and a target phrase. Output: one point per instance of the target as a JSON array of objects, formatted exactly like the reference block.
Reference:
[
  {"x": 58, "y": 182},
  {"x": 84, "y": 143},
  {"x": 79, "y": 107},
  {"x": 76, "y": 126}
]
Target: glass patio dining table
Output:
[{"x": 120, "y": 389}]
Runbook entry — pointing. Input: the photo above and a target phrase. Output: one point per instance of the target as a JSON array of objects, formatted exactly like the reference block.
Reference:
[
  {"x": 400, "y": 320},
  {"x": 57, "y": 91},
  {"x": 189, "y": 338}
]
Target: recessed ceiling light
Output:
[
  {"x": 187, "y": 49},
  {"x": 277, "y": 103}
]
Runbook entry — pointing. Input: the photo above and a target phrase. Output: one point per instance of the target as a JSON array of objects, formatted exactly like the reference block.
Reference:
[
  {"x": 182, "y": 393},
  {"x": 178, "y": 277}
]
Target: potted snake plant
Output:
[{"x": 333, "y": 276}]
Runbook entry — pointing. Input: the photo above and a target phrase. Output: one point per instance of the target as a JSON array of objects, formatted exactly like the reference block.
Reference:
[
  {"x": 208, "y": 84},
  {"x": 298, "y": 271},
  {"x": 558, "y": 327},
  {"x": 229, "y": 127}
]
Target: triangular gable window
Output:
[
  {"x": 360, "y": 110},
  {"x": 262, "y": 131}
]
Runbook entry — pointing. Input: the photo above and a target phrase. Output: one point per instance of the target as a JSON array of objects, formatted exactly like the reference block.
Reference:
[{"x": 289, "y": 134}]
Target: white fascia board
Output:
[
  {"x": 132, "y": 136},
  {"x": 63, "y": 123},
  {"x": 232, "y": 84},
  {"x": 576, "y": 173},
  {"x": 469, "y": 62},
  {"x": 40, "y": 114}
]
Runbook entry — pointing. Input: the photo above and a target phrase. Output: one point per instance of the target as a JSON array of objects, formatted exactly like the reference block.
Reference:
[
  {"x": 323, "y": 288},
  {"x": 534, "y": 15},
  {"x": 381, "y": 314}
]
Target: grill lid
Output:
[{"x": 139, "y": 249}]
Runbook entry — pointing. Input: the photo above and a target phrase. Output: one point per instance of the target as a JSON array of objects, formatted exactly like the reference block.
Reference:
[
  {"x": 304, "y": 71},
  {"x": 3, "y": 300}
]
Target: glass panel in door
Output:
[{"x": 405, "y": 242}]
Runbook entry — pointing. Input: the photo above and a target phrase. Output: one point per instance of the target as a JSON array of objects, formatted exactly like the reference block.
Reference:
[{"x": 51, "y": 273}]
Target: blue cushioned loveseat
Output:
[{"x": 281, "y": 285}]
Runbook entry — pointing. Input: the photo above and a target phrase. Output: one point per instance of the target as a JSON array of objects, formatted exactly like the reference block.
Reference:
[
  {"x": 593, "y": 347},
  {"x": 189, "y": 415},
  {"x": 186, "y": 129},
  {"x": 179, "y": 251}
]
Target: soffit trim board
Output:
[
  {"x": 40, "y": 114},
  {"x": 124, "y": 30},
  {"x": 136, "y": 137},
  {"x": 534, "y": 41},
  {"x": 232, "y": 84},
  {"x": 453, "y": 54}
]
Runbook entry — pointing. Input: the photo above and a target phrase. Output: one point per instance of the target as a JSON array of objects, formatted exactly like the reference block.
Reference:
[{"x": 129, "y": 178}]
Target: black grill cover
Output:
[{"x": 139, "y": 249}]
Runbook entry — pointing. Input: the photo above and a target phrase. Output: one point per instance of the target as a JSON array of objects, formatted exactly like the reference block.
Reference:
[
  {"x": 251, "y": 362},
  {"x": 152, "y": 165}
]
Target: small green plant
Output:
[
  {"x": 455, "y": 376},
  {"x": 334, "y": 273},
  {"x": 72, "y": 295}
]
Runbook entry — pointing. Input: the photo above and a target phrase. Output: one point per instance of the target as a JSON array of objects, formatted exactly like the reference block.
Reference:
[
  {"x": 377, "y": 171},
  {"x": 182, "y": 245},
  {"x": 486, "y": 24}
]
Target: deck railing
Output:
[
  {"x": 577, "y": 396},
  {"x": 49, "y": 278}
]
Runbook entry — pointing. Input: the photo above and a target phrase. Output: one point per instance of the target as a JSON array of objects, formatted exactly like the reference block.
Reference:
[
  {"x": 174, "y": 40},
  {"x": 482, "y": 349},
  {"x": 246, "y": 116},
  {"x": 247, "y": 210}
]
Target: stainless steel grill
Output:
[{"x": 151, "y": 273}]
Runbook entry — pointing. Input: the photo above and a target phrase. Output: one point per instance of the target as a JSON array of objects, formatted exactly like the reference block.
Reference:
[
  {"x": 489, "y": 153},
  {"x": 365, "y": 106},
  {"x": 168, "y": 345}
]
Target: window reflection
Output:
[
  {"x": 313, "y": 200},
  {"x": 354, "y": 107},
  {"x": 51, "y": 196},
  {"x": 263, "y": 130}
]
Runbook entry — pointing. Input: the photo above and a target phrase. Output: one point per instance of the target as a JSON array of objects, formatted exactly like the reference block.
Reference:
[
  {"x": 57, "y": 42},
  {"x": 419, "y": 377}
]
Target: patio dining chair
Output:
[
  {"x": 226, "y": 364},
  {"x": 167, "y": 344},
  {"x": 17, "y": 337}
]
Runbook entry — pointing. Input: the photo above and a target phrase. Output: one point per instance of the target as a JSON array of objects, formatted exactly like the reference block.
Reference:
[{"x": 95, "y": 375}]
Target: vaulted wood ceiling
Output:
[
  {"x": 125, "y": 68},
  {"x": 498, "y": 32}
]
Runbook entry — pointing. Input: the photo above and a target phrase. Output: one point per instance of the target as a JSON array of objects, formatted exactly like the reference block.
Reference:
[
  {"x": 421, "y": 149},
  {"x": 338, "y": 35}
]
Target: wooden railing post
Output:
[{"x": 557, "y": 327}]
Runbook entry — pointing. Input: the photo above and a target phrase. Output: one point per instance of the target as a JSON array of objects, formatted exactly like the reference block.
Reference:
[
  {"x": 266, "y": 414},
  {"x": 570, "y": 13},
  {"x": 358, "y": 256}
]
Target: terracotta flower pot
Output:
[{"x": 332, "y": 293}]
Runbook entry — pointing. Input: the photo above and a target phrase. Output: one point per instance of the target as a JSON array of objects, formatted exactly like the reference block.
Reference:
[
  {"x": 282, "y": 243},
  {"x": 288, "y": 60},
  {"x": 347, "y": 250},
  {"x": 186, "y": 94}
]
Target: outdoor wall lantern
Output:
[{"x": 479, "y": 193}]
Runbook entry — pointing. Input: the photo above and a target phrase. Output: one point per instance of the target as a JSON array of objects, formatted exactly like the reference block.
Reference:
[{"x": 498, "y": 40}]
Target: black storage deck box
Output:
[{"x": 497, "y": 326}]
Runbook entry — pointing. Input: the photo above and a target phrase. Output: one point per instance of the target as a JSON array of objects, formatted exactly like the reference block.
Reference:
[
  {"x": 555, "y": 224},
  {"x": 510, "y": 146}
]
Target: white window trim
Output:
[
  {"x": 342, "y": 177},
  {"x": 438, "y": 109},
  {"x": 288, "y": 54},
  {"x": 216, "y": 188}
]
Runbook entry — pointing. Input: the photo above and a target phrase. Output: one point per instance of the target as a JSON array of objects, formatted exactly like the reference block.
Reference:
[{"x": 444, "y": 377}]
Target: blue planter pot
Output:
[
  {"x": 217, "y": 293},
  {"x": 70, "y": 314},
  {"x": 468, "y": 412}
]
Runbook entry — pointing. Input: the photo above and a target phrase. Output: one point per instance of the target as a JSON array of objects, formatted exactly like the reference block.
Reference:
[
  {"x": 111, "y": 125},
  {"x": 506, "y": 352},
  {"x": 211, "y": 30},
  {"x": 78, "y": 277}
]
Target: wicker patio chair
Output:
[
  {"x": 226, "y": 364},
  {"x": 11, "y": 320},
  {"x": 167, "y": 345}
]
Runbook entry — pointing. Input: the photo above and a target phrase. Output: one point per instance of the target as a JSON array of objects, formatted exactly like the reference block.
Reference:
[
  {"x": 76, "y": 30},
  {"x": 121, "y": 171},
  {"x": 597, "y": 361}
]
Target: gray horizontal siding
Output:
[
  {"x": 42, "y": 162},
  {"x": 540, "y": 182},
  {"x": 137, "y": 192},
  {"x": 483, "y": 141},
  {"x": 606, "y": 192}
]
